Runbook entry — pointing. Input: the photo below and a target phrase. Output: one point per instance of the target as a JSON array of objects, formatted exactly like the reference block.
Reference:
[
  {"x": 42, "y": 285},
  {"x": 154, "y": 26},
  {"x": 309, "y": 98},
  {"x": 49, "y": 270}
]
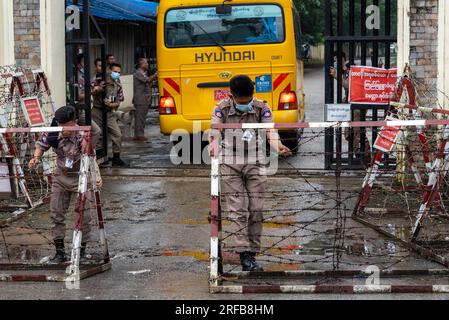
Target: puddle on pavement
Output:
[
  {"x": 268, "y": 225},
  {"x": 21, "y": 254},
  {"x": 276, "y": 267},
  {"x": 196, "y": 254}
]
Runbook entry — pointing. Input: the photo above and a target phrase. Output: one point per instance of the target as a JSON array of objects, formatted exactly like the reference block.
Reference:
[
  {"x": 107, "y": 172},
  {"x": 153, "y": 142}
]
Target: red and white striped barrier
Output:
[
  {"x": 439, "y": 171},
  {"x": 331, "y": 289},
  {"x": 421, "y": 109},
  {"x": 217, "y": 278},
  {"x": 87, "y": 178},
  {"x": 43, "y": 129},
  {"x": 329, "y": 125},
  {"x": 215, "y": 257}
]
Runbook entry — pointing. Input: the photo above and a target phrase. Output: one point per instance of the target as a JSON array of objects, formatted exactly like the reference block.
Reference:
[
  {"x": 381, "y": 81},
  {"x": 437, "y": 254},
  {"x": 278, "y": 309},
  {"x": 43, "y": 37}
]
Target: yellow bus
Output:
[{"x": 202, "y": 44}]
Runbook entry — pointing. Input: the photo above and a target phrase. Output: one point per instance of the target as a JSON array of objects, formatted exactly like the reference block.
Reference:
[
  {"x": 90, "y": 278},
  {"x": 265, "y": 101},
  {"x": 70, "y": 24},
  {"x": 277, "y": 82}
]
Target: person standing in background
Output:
[
  {"x": 81, "y": 98},
  {"x": 142, "y": 98},
  {"x": 114, "y": 97},
  {"x": 110, "y": 60}
]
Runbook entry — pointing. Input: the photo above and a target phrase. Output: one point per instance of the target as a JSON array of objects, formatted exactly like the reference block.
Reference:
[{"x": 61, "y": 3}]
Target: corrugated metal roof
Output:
[
  {"x": 105, "y": 9},
  {"x": 140, "y": 7}
]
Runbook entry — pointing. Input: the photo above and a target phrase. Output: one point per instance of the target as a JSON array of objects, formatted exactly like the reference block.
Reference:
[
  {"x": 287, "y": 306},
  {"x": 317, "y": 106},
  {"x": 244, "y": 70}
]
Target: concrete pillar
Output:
[
  {"x": 443, "y": 54},
  {"x": 6, "y": 32},
  {"x": 403, "y": 34},
  {"x": 53, "y": 47}
]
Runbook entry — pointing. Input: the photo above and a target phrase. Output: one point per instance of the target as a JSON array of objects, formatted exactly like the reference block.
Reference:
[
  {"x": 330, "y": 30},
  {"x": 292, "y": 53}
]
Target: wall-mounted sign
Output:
[
  {"x": 368, "y": 85},
  {"x": 337, "y": 112},
  {"x": 33, "y": 113}
]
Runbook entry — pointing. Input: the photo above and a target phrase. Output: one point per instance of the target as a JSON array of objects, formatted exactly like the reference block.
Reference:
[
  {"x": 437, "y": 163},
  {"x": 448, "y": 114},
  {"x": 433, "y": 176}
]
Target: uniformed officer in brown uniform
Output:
[
  {"x": 244, "y": 178},
  {"x": 142, "y": 98},
  {"x": 68, "y": 148},
  {"x": 114, "y": 97}
]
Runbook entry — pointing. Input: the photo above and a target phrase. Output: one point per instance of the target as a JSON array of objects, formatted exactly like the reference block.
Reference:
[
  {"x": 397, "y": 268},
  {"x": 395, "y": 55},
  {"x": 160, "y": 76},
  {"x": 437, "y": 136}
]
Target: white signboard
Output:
[
  {"x": 337, "y": 112},
  {"x": 5, "y": 181}
]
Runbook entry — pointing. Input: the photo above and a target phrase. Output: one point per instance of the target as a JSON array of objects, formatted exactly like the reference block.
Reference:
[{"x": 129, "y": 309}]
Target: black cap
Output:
[{"x": 65, "y": 114}]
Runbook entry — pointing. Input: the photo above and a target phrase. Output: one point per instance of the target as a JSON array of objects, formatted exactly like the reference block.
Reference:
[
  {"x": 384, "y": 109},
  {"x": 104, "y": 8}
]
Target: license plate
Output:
[{"x": 222, "y": 94}]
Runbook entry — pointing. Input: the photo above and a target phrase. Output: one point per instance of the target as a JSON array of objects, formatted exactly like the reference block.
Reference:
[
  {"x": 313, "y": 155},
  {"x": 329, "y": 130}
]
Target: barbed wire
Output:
[{"x": 398, "y": 191}]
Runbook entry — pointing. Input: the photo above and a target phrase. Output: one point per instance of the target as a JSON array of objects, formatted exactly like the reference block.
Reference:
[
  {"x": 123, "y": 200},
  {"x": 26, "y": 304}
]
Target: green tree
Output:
[
  {"x": 312, "y": 17},
  {"x": 312, "y": 20}
]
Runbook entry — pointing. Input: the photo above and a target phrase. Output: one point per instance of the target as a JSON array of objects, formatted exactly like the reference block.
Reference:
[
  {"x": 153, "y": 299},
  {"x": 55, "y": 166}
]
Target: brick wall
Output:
[
  {"x": 424, "y": 43},
  {"x": 27, "y": 32}
]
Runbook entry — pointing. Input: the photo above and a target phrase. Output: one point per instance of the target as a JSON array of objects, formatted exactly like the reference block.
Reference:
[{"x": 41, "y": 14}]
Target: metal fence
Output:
[{"x": 339, "y": 231}]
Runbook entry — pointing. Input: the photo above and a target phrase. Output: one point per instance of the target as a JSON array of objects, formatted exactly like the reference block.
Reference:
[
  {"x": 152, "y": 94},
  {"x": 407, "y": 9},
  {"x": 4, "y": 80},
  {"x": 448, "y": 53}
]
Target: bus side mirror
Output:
[{"x": 223, "y": 9}]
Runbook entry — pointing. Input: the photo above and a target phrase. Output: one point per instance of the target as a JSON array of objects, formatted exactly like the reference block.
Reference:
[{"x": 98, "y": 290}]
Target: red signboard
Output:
[
  {"x": 387, "y": 138},
  {"x": 33, "y": 113},
  {"x": 368, "y": 85},
  {"x": 222, "y": 94}
]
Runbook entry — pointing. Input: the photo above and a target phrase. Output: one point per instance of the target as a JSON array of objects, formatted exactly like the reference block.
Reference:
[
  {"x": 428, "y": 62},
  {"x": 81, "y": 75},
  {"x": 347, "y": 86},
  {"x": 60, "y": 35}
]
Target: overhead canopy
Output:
[
  {"x": 121, "y": 10},
  {"x": 140, "y": 7}
]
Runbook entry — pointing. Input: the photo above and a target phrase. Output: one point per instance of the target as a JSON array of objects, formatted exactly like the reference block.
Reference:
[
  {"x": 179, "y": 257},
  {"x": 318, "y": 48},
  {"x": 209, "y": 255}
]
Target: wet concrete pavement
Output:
[{"x": 158, "y": 232}]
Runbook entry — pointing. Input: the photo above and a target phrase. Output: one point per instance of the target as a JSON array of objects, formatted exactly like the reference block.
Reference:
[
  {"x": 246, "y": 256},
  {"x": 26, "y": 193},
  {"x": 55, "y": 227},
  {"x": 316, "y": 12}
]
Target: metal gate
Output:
[
  {"x": 364, "y": 32},
  {"x": 81, "y": 40}
]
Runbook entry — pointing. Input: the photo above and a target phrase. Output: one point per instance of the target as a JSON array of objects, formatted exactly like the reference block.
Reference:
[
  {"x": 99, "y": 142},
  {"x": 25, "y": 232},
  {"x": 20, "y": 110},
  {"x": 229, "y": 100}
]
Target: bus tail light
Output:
[
  {"x": 288, "y": 101},
  {"x": 167, "y": 106}
]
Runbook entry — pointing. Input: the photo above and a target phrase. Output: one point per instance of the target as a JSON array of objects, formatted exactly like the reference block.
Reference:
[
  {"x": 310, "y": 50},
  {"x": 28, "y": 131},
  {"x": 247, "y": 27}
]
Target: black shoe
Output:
[
  {"x": 83, "y": 250},
  {"x": 60, "y": 256},
  {"x": 248, "y": 261},
  {"x": 117, "y": 161}
]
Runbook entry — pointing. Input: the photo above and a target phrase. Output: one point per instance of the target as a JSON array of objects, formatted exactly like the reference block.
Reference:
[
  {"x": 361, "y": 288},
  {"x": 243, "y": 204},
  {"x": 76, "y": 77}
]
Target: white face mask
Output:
[
  {"x": 115, "y": 76},
  {"x": 245, "y": 108}
]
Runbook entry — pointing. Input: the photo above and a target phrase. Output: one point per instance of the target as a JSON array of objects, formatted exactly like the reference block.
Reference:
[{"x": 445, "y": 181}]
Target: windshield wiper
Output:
[{"x": 210, "y": 37}]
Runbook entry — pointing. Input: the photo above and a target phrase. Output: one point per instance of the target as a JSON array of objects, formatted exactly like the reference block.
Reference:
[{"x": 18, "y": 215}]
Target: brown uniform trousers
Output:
[
  {"x": 114, "y": 131},
  {"x": 141, "y": 101},
  {"x": 64, "y": 189},
  {"x": 243, "y": 185}
]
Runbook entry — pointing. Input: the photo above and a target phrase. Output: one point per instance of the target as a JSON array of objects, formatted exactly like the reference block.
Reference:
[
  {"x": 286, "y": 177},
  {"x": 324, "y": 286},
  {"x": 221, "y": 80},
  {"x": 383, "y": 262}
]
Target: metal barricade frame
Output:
[
  {"x": 74, "y": 271},
  {"x": 217, "y": 276}
]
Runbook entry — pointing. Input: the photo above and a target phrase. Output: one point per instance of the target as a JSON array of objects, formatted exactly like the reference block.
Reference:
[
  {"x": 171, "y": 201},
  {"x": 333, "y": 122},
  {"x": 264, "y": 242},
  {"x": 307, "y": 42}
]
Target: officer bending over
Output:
[
  {"x": 244, "y": 177},
  {"x": 68, "y": 148}
]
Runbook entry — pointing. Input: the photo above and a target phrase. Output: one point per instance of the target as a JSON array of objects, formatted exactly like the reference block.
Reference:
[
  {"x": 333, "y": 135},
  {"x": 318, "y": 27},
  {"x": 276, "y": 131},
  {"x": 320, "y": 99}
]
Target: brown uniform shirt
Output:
[
  {"x": 68, "y": 153},
  {"x": 142, "y": 89},
  {"x": 241, "y": 142},
  {"x": 113, "y": 89}
]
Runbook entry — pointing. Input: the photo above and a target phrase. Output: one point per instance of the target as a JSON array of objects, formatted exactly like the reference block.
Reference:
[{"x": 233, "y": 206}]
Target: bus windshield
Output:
[{"x": 247, "y": 24}]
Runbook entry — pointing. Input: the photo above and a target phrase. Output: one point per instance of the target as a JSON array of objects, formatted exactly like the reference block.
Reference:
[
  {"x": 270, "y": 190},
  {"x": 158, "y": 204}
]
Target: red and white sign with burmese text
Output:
[
  {"x": 387, "y": 138},
  {"x": 368, "y": 85},
  {"x": 33, "y": 113}
]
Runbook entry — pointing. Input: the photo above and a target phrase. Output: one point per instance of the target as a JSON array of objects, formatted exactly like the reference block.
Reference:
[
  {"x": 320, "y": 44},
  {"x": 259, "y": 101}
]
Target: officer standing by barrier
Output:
[
  {"x": 68, "y": 148},
  {"x": 244, "y": 178}
]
